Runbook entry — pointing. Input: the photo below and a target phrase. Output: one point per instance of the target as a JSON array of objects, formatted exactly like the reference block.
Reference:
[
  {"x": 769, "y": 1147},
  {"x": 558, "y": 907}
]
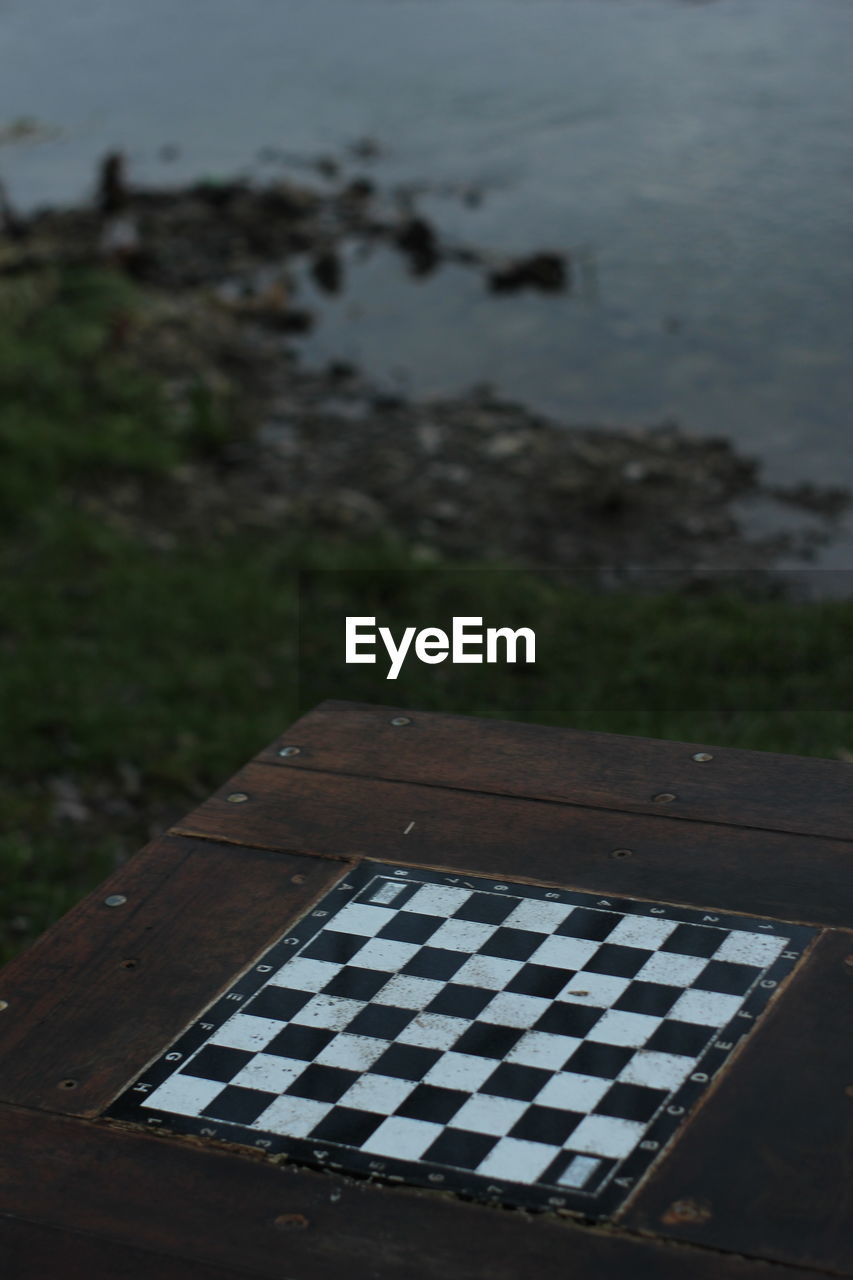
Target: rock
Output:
[{"x": 548, "y": 272}]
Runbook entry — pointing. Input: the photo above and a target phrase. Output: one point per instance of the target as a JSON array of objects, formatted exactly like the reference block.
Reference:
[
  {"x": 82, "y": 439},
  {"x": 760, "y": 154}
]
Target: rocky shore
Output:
[{"x": 474, "y": 478}]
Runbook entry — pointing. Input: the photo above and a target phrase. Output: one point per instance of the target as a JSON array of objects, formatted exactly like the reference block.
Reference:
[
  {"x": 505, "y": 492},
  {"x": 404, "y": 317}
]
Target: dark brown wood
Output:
[
  {"x": 183, "y": 1199},
  {"x": 107, "y": 987},
  {"x": 31, "y": 1252},
  {"x": 695, "y": 863},
  {"x": 744, "y": 788},
  {"x": 767, "y": 1160}
]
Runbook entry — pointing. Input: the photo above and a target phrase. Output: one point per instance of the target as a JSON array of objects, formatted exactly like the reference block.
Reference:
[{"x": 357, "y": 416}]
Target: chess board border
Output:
[{"x": 599, "y": 1201}]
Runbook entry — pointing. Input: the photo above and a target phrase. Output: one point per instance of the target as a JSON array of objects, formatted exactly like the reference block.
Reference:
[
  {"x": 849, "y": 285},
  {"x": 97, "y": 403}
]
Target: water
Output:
[{"x": 695, "y": 156}]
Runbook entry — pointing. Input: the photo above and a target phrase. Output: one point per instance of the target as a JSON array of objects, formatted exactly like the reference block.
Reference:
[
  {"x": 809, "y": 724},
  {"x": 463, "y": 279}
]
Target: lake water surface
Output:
[{"x": 696, "y": 157}]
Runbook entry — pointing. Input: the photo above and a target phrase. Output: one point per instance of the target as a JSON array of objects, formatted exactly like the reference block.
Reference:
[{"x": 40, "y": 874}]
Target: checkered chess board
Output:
[{"x": 509, "y": 1042}]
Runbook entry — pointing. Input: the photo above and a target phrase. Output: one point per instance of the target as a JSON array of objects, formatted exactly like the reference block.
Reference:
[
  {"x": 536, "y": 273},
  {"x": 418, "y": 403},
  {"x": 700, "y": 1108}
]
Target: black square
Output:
[
  {"x": 620, "y": 962},
  {"x": 460, "y": 1148},
  {"x": 409, "y": 926},
  {"x": 345, "y": 1124},
  {"x": 435, "y": 962},
  {"x": 339, "y": 948},
  {"x": 215, "y": 1062},
  {"x": 564, "y": 1019},
  {"x": 278, "y": 1002},
  {"x": 685, "y": 1038},
  {"x": 300, "y": 1042},
  {"x": 586, "y": 923},
  {"x": 487, "y": 1041},
  {"x": 380, "y": 1020},
  {"x": 355, "y": 983},
  {"x": 461, "y": 1001},
  {"x": 631, "y": 1102},
  {"x": 539, "y": 980},
  {"x": 694, "y": 940},
  {"x": 239, "y": 1106},
  {"x": 591, "y": 1059},
  {"x": 514, "y": 1081},
  {"x": 406, "y": 1061},
  {"x": 487, "y": 908},
  {"x": 324, "y": 1084},
  {"x": 731, "y": 979},
  {"x": 546, "y": 1124},
  {"x": 428, "y": 1102},
  {"x": 654, "y": 998},
  {"x": 512, "y": 944}
]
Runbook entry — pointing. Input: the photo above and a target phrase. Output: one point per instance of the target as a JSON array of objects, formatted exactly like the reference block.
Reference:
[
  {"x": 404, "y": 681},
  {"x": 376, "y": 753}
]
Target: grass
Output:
[{"x": 135, "y": 677}]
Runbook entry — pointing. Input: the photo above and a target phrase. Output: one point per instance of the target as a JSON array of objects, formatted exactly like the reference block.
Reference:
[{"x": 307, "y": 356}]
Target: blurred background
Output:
[{"x": 533, "y": 309}]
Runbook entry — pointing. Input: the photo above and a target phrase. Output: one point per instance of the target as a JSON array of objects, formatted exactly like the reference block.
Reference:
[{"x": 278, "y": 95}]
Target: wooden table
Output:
[{"x": 685, "y": 852}]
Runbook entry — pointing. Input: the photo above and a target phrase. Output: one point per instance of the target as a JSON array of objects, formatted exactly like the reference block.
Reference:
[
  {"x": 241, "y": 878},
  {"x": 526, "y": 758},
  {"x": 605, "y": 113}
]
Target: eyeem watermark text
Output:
[{"x": 467, "y": 642}]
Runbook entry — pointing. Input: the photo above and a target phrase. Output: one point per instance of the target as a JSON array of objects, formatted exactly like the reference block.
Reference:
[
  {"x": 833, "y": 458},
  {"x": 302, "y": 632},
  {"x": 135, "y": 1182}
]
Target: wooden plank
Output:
[
  {"x": 700, "y": 864},
  {"x": 181, "y": 1199},
  {"x": 106, "y": 988},
  {"x": 743, "y": 788},
  {"x": 765, "y": 1165},
  {"x": 31, "y": 1252}
]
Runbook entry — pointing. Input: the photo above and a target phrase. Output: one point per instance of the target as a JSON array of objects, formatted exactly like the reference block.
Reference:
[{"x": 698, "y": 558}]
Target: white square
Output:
[
  {"x": 360, "y": 918},
  {"x": 508, "y": 1009},
  {"x": 647, "y": 932},
  {"x": 759, "y": 949},
  {"x": 384, "y": 954},
  {"x": 462, "y": 935},
  {"x": 404, "y": 991},
  {"x": 269, "y": 1072},
  {"x": 354, "y": 1053},
  {"x": 671, "y": 969},
  {"x": 292, "y": 1116},
  {"x": 433, "y": 1030},
  {"x": 578, "y": 1171},
  {"x": 437, "y": 900},
  {"x": 406, "y": 1139},
  {"x": 629, "y": 1029},
  {"x": 460, "y": 1071},
  {"x": 606, "y": 1136},
  {"x": 333, "y": 1012},
  {"x": 657, "y": 1070},
  {"x": 708, "y": 1008},
  {"x": 598, "y": 990},
  {"x": 565, "y": 953},
  {"x": 517, "y": 1160},
  {"x": 490, "y": 972},
  {"x": 386, "y": 891},
  {"x": 570, "y": 1091},
  {"x": 185, "y": 1095},
  {"x": 486, "y": 1114},
  {"x": 382, "y": 1094},
  {"x": 245, "y": 1031},
  {"x": 539, "y": 1049},
  {"x": 538, "y": 917},
  {"x": 302, "y": 974}
]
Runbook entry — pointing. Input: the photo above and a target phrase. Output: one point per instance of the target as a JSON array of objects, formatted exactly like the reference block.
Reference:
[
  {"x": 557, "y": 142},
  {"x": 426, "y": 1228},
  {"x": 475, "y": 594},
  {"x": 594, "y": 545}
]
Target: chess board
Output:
[{"x": 508, "y": 1042}]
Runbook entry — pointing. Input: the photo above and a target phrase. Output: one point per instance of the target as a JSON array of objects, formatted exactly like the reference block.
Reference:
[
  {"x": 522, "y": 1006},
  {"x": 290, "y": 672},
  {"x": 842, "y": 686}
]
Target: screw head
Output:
[
  {"x": 701, "y": 756},
  {"x": 237, "y": 797},
  {"x": 621, "y": 853},
  {"x": 115, "y": 900},
  {"x": 4, "y": 1004},
  {"x": 68, "y": 1084},
  {"x": 289, "y": 751},
  {"x": 664, "y": 797},
  {"x": 848, "y": 960},
  {"x": 398, "y": 720},
  {"x": 849, "y": 1090}
]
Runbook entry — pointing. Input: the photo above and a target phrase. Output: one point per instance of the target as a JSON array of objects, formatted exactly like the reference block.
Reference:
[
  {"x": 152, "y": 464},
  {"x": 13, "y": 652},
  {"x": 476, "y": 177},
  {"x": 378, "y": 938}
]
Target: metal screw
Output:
[
  {"x": 115, "y": 900},
  {"x": 664, "y": 797},
  {"x": 621, "y": 853},
  {"x": 4, "y": 1004},
  {"x": 237, "y": 797},
  {"x": 297, "y": 879},
  {"x": 688, "y": 1211},
  {"x": 848, "y": 960},
  {"x": 398, "y": 720},
  {"x": 702, "y": 756},
  {"x": 290, "y": 751},
  {"x": 849, "y": 1090}
]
